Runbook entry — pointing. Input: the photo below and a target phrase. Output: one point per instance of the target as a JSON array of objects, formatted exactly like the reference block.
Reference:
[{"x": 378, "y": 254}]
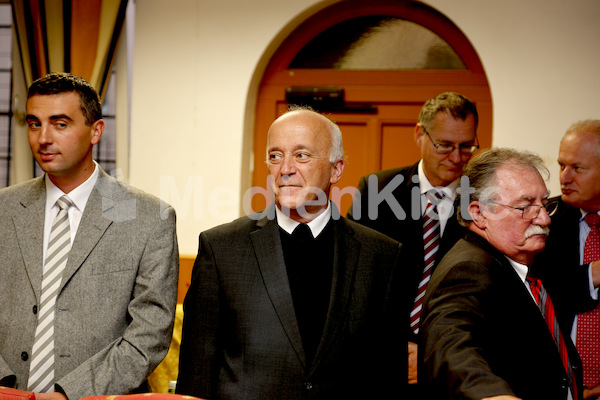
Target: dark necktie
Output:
[
  {"x": 588, "y": 323},
  {"x": 431, "y": 241},
  {"x": 547, "y": 309}
]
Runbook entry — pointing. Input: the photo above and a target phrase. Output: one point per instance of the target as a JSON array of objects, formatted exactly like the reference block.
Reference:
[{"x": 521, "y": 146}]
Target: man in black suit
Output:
[
  {"x": 489, "y": 329},
  {"x": 563, "y": 262},
  {"x": 446, "y": 134},
  {"x": 274, "y": 313}
]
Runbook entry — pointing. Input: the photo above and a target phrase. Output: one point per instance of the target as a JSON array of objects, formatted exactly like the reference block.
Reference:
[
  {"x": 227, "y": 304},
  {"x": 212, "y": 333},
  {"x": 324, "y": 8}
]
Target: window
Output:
[
  {"x": 105, "y": 152},
  {"x": 5, "y": 92},
  {"x": 377, "y": 43}
]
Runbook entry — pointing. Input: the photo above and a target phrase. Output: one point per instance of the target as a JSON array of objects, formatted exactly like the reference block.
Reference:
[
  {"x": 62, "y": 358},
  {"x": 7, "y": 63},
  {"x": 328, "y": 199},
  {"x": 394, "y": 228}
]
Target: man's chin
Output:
[{"x": 570, "y": 197}]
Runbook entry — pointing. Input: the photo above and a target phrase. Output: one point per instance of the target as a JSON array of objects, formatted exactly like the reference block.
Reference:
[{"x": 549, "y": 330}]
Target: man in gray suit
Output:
[
  {"x": 102, "y": 321},
  {"x": 294, "y": 302}
]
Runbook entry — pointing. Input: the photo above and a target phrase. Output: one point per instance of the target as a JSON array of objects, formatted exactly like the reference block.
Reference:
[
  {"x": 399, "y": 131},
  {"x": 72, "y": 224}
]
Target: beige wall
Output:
[{"x": 197, "y": 63}]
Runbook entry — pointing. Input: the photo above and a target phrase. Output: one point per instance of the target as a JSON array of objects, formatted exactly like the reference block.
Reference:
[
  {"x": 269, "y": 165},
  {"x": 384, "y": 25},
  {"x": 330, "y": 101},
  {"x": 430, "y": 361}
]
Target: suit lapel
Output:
[
  {"x": 29, "y": 227},
  {"x": 93, "y": 224},
  {"x": 272, "y": 268}
]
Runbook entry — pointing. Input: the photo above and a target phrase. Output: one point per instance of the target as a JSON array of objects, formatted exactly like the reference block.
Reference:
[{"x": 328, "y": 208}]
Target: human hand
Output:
[
  {"x": 592, "y": 393},
  {"x": 595, "y": 266},
  {"x": 50, "y": 396},
  {"x": 412, "y": 362}
]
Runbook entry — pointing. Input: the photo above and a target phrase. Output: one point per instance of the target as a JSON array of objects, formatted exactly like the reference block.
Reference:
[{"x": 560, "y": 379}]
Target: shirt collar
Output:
[
  {"x": 520, "y": 269},
  {"x": 79, "y": 196},
  {"x": 584, "y": 213},
  {"x": 426, "y": 186},
  {"x": 316, "y": 225}
]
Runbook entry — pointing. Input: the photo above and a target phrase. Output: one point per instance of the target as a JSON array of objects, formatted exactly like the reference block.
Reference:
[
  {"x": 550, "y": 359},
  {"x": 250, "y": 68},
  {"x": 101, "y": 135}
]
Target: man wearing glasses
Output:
[
  {"x": 414, "y": 204},
  {"x": 489, "y": 328}
]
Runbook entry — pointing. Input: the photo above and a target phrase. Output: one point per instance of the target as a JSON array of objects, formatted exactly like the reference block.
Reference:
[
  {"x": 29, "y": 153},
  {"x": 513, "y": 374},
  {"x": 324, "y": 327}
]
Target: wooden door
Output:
[{"x": 372, "y": 140}]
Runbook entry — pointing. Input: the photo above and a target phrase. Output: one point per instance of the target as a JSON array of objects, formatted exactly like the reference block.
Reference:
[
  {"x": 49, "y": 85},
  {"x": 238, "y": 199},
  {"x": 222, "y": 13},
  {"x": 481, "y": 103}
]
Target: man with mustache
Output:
[
  {"x": 294, "y": 302},
  {"x": 489, "y": 327},
  {"x": 569, "y": 254}
]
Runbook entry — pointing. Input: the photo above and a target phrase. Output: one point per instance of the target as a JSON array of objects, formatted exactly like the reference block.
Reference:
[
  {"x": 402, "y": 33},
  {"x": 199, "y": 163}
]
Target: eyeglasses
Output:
[
  {"x": 463, "y": 148},
  {"x": 533, "y": 210}
]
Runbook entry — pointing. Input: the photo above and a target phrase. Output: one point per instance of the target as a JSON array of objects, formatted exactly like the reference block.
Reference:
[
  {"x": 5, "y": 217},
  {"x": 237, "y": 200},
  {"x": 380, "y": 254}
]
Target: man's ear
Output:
[
  {"x": 97, "y": 130},
  {"x": 419, "y": 133},
  {"x": 337, "y": 168},
  {"x": 477, "y": 215}
]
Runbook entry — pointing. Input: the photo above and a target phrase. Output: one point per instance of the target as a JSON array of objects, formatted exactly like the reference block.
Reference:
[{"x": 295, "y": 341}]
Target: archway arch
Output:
[{"x": 380, "y": 103}]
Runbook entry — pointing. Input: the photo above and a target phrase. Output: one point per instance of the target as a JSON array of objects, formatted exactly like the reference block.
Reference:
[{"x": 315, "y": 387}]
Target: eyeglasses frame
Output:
[
  {"x": 553, "y": 203},
  {"x": 472, "y": 149}
]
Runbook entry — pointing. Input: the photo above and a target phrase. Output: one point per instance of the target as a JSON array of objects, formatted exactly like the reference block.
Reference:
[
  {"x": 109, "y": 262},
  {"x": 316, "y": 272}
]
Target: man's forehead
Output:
[
  {"x": 55, "y": 101},
  {"x": 448, "y": 128},
  {"x": 520, "y": 182}
]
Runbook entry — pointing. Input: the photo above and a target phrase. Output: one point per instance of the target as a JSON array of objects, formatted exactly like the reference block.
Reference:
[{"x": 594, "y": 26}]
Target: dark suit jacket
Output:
[
  {"x": 483, "y": 333},
  {"x": 240, "y": 333},
  {"x": 408, "y": 231},
  {"x": 116, "y": 305},
  {"x": 558, "y": 264}
]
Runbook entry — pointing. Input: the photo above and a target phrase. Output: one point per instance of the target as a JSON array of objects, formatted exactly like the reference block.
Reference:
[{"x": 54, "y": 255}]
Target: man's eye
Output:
[
  {"x": 302, "y": 157},
  {"x": 274, "y": 157}
]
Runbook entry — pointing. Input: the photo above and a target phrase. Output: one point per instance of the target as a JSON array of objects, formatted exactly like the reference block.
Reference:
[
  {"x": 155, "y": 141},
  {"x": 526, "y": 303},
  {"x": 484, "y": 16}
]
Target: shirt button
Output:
[
  {"x": 24, "y": 356},
  {"x": 35, "y": 309}
]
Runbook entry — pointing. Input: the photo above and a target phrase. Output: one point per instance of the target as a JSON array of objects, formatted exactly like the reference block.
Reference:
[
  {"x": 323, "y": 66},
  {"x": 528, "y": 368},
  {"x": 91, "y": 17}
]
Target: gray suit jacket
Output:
[
  {"x": 115, "y": 310},
  {"x": 240, "y": 334}
]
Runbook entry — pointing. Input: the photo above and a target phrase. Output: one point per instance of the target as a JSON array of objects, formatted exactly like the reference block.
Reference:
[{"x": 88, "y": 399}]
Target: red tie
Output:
[
  {"x": 588, "y": 323},
  {"x": 431, "y": 239},
  {"x": 547, "y": 308}
]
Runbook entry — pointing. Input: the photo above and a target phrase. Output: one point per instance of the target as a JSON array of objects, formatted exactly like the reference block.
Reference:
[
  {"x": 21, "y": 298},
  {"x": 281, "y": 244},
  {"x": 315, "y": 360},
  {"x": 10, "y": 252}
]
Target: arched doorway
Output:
[{"x": 369, "y": 66}]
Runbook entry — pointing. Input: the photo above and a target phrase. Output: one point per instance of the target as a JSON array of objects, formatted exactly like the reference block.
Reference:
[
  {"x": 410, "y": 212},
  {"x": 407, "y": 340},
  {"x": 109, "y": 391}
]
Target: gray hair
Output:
[
  {"x": 481, "y": 173},
  {"x": 451, "y": 103},
  {"x": 586, "y": 125}
]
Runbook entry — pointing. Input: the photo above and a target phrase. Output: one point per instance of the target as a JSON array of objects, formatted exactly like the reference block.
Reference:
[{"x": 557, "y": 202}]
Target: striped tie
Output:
[
  {"x": 547, "y": 308},
  {"x": 431, "y": 240},
  {"x": 41, "y": 369}
]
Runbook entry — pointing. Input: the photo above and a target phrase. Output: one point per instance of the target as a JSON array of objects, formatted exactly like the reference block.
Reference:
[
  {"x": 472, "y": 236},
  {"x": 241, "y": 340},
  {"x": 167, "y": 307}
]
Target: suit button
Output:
[
  {"x": 35, "y": 309},
  {"x": 24, "y": 356}
]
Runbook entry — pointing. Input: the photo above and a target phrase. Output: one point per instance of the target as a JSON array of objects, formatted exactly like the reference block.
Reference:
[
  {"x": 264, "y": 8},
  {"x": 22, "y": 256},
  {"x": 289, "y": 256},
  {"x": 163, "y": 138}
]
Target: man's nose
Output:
[
  {"x": 543, "y": 218},
  {"x": 45, "y": 135},
  {"x": 288, "y": 166},
  {"x": 566, "y": 175},
  {"x": 455, "y": 155}
]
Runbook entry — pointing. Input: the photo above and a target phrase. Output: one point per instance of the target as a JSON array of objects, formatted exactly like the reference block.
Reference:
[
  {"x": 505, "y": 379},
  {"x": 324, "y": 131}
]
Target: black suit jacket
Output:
[
  {"x": 408, "y": 230},
  {"x": 240, "y": 333},
  {"x": 484, "y": 334},
  {"x": 558, "y": 264}
]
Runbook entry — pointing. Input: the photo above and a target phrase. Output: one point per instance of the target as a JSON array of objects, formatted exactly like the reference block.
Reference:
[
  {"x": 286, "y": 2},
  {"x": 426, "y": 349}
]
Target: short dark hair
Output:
[
  {"x": 451, "y": 103},
  {"x": 62, "y": 82},
  {"x": 481, "y": 171}
]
